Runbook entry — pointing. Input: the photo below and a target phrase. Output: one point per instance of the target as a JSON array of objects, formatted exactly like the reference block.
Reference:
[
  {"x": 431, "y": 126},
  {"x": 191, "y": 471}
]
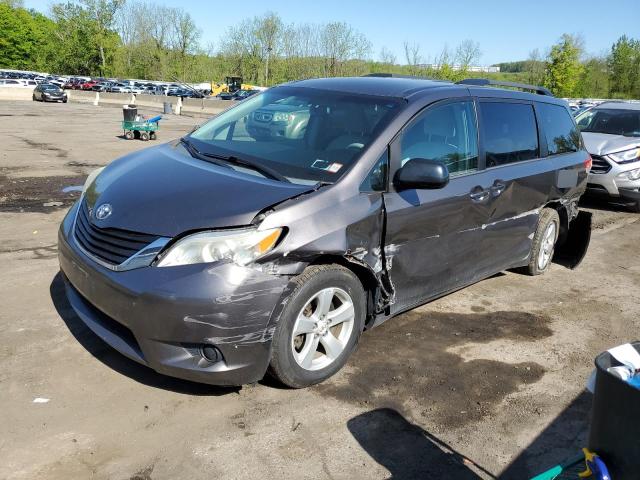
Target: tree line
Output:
[{"x": 141, "y": 39}]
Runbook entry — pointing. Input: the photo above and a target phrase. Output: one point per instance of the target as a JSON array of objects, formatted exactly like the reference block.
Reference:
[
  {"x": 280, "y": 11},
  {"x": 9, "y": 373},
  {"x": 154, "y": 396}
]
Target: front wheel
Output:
[
  {"x": 319, "y": 327},
  {"x": 544, "y": 242}
]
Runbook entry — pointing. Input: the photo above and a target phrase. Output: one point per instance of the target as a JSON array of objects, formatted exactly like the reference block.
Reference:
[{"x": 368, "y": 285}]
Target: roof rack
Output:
[{"x": 483, "y": 82}]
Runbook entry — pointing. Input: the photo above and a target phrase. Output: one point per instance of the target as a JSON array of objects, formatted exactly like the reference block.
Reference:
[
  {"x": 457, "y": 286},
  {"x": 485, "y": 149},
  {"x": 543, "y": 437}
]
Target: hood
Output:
[
  {"x": 164, "y": 191},
  {"x": 604, "y": 143}
]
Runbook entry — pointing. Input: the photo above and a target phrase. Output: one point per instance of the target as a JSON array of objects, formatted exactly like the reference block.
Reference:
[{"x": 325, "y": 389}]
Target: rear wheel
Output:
[
  {"x": 152, "y": 135},
  {"x": 544, "y": 242},
  {"x": 319, "y": 327}
]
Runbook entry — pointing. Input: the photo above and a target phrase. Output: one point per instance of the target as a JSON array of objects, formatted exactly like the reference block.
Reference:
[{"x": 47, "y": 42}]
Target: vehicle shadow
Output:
[
  {"x": 407, "y": 451},
  {"x": 562, "y": 440},
  {"x": 113, "y": 359}
]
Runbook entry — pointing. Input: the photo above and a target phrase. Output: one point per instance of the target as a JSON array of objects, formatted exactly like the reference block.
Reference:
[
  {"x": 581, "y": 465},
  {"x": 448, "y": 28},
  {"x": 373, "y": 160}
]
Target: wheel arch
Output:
[
  {"x": 367, "y": 277},
  {"x": 561, "y": 209}
]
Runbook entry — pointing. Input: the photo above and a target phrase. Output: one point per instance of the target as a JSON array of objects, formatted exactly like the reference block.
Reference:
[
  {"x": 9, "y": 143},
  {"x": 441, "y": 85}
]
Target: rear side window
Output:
[
  {"x": 560, "y": 131},
  {"x": 510, "y": 132}
]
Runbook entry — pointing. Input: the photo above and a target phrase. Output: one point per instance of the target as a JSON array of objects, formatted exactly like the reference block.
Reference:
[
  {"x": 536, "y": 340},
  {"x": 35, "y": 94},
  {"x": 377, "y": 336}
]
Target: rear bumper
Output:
[{"x": 161, "y": 317}]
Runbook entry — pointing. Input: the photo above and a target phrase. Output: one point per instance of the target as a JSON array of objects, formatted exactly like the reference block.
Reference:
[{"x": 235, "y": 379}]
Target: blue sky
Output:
[{"x": 506, "y": 30}]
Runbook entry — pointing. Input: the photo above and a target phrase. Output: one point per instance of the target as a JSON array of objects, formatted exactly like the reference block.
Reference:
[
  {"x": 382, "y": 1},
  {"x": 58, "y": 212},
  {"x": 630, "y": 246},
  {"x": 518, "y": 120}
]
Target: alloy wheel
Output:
[
  {"x": 546, "y": 248},
  {"x": 323, "y": 328}
]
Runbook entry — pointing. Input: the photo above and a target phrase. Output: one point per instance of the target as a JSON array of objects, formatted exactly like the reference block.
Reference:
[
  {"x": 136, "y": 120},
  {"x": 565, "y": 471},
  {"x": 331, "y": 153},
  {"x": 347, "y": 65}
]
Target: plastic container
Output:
[
  {"x": 615, "y": 420},
  {"x": 130, "y": 112}
]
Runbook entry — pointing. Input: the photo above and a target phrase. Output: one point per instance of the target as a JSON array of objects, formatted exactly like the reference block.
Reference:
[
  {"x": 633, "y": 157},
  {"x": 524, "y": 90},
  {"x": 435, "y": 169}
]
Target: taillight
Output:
[{"x": 588, "y": 163}]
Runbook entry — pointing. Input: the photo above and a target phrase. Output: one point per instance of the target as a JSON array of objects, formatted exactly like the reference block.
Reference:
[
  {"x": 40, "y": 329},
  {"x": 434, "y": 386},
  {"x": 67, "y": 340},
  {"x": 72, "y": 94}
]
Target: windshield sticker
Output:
[
  {"x": 326, "y": 166},
  {"x": 320, "y": 164}
]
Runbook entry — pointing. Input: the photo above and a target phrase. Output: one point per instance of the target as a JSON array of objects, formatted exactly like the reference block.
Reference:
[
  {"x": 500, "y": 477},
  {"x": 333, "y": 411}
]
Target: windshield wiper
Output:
[
  {"x": 263, "y": 169},
  {"x": 233, "y": 160},
  {"x": 195, "y": 153}
]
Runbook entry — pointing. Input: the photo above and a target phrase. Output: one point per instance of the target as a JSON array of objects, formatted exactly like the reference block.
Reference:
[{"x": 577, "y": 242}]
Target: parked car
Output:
[
  {"x": 158, "y": 90},
  {"x": 242, "y": 94},
  {"x": 88, "y": 85},
  {"x": 183, "y": 92},
  {"x": 217, "y": 256},
  {"x": 14, "y": 83},
  {"x": 101, "y": 87},
  {"x": 226, "y": 95},
  {"x": 47, "y": 92},
  {"x": 120, "y": 88},
  {"x": 611, "y": 133}
]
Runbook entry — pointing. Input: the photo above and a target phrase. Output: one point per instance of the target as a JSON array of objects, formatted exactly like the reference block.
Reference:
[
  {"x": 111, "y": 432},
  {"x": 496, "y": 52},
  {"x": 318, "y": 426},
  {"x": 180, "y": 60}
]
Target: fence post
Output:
[
  {"x": 179, "y": 106},
  {"x": 96, "y": 101}
]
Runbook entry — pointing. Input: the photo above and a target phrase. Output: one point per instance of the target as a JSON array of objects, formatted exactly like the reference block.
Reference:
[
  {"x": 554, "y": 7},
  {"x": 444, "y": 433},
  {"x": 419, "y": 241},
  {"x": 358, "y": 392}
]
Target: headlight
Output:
[
  {"x": 281, "y": 117},
  {"x": 627, "y": 156},
  {"x": 92, "y": 176},
  {"x": 239, "y": 246},
  {"x": 631, "y": 174}
]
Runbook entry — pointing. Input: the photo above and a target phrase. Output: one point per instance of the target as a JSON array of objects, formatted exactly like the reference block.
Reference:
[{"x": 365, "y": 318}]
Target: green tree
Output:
[
  {"x": 594, "y": 80},
  {"x": 24, "y": 38},
  {"x": 563, "y": 66},
  {"x": 76, "y": 36},
  {"x": 624, "y": 64},
  {"x": 103, "y": 14}
]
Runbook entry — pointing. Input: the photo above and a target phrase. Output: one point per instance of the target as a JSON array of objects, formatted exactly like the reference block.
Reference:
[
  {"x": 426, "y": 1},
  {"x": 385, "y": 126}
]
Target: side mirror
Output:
[{"x": 421, "y": 173}]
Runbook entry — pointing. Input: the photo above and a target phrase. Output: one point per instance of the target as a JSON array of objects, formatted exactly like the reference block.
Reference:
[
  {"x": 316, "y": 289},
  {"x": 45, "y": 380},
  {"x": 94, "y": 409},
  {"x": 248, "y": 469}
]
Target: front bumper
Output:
[
  {"x": 54, "y": 98},
  {"x": 612, "y": 185},
  {"x": 161, "y": 317}
]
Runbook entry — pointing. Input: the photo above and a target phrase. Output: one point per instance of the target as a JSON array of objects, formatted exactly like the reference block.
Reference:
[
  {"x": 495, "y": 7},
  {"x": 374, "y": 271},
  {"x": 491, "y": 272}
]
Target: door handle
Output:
[
  {"x": 497, "y": 188},
  {"x": 478, "y": 194}
]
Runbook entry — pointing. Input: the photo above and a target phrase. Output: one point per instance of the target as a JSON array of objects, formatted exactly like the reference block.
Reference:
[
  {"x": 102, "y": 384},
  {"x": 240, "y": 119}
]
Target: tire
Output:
[
  {"x": 128, "y": 135},
  {"x": 152, "y": 135},
  {"x": 144, "y": 136},
  {"x": 634, "y": 207},
  {"x": 33, "y": 97},
  {"x": 547, "y": 231},
  {"x": 303, "y": 360}
]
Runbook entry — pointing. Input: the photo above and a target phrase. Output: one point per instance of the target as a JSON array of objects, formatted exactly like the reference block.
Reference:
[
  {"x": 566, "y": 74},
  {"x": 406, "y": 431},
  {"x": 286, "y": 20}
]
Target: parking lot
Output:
[{"x": 487, "y": 382}]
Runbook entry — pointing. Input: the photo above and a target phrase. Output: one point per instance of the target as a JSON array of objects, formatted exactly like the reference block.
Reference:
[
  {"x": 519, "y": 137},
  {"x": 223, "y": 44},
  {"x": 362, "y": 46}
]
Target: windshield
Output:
[
  {"x": 306, "y": 135},
  {"x": 49, "y": 87},
  {"x": 611, "y": 121}
]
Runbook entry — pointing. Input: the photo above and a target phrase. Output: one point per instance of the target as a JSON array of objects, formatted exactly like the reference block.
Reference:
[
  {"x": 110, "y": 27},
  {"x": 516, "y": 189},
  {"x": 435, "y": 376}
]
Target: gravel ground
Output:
[{"x": 486, "y": 382}]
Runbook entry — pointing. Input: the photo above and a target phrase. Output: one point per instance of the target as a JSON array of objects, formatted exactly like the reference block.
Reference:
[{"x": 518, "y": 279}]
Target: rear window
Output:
[
  {"x": 559, "y": 129},
  {"x": 510, "y": 132}
]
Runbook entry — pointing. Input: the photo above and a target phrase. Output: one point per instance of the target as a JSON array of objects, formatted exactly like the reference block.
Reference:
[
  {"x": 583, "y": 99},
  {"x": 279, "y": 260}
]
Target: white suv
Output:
[{"x": 611, "y": 133}]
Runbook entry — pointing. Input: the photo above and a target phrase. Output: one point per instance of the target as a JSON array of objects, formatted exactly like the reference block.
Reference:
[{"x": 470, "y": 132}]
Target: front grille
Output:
[
  {"x": 599, "y": 165},
  {"x": 110, "y": 245},
  {"x": 262, "y": 116}
]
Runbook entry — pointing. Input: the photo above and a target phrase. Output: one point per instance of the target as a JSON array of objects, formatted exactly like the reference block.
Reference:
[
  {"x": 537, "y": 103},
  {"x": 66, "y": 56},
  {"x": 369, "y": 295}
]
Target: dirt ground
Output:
[{"x": 487, "y": 382}]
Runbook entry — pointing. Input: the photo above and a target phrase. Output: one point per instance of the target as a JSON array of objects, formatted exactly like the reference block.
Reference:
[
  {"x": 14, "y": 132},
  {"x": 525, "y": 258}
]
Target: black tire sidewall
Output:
[{"x": 283, "y": 365}]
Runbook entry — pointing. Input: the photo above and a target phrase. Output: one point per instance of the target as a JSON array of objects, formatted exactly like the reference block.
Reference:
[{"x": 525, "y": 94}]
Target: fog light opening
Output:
[{"x": 210, "y": 353}]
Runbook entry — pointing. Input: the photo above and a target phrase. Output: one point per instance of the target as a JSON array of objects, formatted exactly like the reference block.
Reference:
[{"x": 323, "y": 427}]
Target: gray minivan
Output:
[{"x": 226, "y": 254}]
